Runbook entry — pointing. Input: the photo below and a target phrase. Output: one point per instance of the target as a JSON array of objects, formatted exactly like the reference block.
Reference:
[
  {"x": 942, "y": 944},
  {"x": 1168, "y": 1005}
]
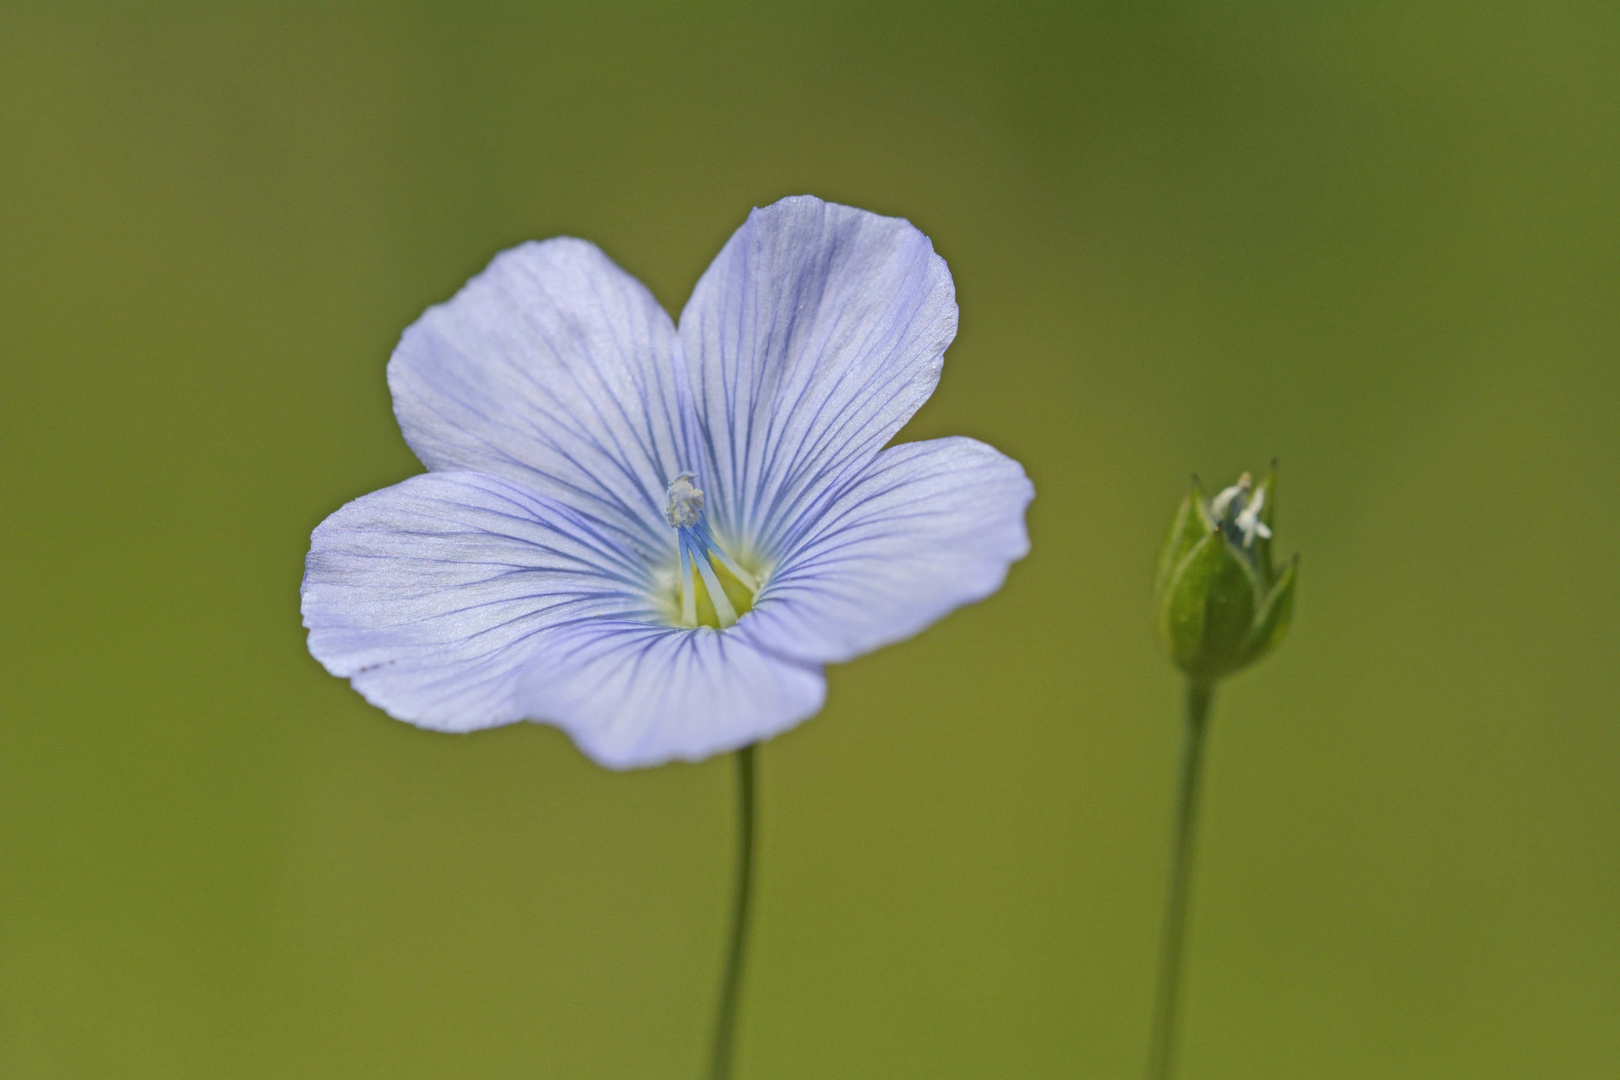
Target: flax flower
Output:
[{"x": 655, "y": 536}]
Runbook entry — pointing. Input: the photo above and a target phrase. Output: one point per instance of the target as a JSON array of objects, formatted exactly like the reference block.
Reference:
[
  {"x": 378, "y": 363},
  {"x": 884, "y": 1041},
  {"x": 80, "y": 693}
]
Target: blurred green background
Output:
[{"x": 1382, "y": 244}]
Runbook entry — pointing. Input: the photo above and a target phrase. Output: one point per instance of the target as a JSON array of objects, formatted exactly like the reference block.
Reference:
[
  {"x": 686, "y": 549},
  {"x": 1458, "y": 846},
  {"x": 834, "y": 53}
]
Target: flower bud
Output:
[{"x": 1221, "y": 603}]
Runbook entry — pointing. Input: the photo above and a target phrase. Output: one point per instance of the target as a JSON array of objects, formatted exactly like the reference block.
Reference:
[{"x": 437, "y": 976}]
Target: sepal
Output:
[
  {"x": 1272, "y": 622},
  {"x": 1186, "y": 529},
  {"x": 1206, "y": 612}
]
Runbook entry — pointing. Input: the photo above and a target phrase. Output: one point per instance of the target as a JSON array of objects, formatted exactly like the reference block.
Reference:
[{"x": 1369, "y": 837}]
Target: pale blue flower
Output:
[{"x": 606, "y": 490}]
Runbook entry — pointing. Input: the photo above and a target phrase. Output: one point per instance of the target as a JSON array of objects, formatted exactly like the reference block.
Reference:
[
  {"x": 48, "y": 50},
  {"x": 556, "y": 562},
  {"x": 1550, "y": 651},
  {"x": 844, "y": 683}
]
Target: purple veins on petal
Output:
[{"x": 602, "y": 481}]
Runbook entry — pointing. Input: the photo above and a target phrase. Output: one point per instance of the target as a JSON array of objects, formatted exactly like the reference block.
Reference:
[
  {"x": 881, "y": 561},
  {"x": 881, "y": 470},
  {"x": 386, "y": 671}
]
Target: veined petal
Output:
[
  {"x": 632, "y": 695},
  {"x": 431, "y": 595},
  {"x": 816, "y": 333},
  {"x": 928, "y": 527},
  {"x": 554, "y": 368}
]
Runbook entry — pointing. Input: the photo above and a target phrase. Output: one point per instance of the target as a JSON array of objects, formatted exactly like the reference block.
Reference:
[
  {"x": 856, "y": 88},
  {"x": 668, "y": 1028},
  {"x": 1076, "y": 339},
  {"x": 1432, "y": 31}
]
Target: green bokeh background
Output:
[{"x": 1382, "y": 244}]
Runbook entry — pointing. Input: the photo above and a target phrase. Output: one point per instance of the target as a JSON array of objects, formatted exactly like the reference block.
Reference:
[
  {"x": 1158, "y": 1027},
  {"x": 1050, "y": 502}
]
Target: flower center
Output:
[{"x": 711, "y": 587}]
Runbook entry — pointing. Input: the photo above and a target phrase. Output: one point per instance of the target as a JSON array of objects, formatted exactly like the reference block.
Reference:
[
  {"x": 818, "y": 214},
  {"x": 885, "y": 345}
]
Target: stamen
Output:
[
  {"x": 749, "y": 580},
  {"x": 717, "y": 595}
]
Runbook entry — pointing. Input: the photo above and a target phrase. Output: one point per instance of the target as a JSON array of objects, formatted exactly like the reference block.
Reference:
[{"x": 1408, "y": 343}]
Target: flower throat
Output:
[{"x": 712, "y": 589}]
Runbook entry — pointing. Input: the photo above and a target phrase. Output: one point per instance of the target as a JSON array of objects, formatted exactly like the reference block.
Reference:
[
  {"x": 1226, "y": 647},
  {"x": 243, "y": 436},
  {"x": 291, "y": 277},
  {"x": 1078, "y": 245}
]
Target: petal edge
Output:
[
  {"x": 430, "y": 596},
  {"x": 928, "y": 527},
  {"x": 811, "y": 339}
]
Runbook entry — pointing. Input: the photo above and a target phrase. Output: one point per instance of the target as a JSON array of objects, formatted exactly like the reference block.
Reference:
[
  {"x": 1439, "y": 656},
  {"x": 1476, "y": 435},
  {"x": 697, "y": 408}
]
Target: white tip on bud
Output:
[
  {"x": 1239, "y": 491},
  {"x": 1249, "y": 522},
  {"x": 684, "y": 502}
]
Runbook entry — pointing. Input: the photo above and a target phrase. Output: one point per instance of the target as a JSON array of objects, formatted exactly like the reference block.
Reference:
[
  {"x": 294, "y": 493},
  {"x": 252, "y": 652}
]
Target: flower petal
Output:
[
  {"x": 928, "y": 527},
  {"x": 430, "y": 595},
  {"x": 634, "y": 695},
  {"x": 816, "y": 333},
  {"x": 554, "y": 368}
]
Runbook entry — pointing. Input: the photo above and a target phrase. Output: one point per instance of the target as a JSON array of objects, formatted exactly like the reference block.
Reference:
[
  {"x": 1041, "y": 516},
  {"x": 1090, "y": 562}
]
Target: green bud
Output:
[{"x": 1221, "y": 603}]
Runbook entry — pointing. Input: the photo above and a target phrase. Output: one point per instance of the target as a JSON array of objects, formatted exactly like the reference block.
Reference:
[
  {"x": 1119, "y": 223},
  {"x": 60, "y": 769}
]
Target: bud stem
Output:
[{"x": 1161, "y": 1060}]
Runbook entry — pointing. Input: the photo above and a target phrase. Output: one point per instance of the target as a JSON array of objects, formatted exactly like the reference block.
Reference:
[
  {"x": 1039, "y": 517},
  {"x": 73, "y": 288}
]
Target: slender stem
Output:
[
  {"x": 1161, "y": 1061},
  {"x": 725, "y": 1024}
]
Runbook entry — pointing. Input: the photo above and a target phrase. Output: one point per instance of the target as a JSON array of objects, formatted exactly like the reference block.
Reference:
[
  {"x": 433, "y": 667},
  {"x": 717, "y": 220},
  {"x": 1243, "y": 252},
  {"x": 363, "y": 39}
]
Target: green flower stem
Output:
[
  {"x": 725, "y": 1024},
  {"x": 1161, "y": 1060}
]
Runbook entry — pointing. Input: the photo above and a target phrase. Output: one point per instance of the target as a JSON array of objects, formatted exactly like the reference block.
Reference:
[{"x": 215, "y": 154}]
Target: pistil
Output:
[{"x": 699, "y": 551}]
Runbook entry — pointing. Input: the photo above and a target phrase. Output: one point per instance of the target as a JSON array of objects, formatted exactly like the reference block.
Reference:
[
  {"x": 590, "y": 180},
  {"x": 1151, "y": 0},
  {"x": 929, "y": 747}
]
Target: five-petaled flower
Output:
[{"x": 654, "y": 537}]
